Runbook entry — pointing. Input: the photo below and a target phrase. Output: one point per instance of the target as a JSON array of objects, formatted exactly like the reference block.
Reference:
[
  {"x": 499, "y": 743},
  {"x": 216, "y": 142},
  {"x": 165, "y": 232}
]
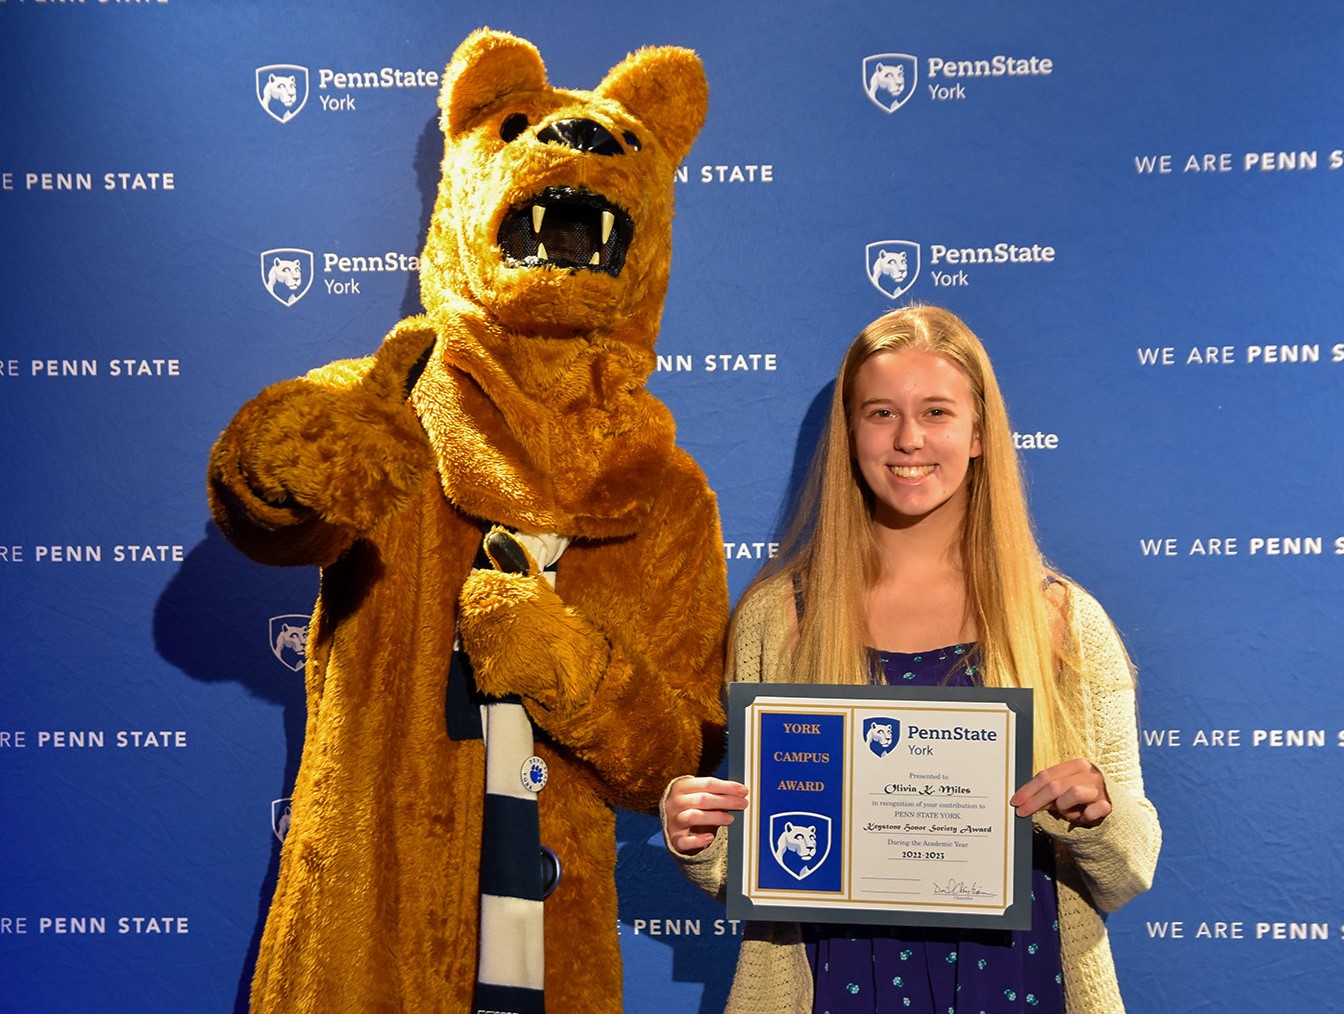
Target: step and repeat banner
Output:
[{"x": 1137, "y": 205}]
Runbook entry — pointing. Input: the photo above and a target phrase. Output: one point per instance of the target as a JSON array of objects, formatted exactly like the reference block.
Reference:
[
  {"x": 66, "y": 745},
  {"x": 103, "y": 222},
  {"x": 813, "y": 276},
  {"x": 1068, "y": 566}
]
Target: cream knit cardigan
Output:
[{"x": 1097, "y": 869}]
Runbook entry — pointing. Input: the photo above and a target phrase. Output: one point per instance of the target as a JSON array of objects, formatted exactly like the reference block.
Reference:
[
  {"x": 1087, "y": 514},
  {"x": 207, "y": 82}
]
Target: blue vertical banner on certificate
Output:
[
  {"x": 880, "y": 805},
  {"x": 802, "y": 788}
]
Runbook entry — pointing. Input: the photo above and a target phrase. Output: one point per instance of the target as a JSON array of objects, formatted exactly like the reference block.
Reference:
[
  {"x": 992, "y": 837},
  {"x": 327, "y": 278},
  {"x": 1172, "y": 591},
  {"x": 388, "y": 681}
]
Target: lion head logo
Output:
[
  {"x": 800, "y": 842},
  {"x": 282, "y": 813},
  {"x": 893, "y": 266},
  {"x": 797, "y": 838},
  {"x": 889, "y": 79},
  {"x": 289, "y": 640},
  {"x": 282, "y": 90},
  {"x": 881, "y": 734},
  {"x": 287, "y": 274}
]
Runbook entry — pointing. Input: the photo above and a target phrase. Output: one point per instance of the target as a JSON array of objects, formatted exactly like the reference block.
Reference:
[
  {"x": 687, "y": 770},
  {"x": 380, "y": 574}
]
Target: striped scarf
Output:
[{"x": 517, "y": 872}]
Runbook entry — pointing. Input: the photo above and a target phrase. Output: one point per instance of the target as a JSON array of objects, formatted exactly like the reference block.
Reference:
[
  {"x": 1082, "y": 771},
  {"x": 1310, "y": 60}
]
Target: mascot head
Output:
[{"x": 554, "y": 212}]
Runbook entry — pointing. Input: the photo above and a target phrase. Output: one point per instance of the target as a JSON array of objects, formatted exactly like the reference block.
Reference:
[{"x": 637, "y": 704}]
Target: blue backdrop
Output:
[{"x": 1136, "y": 204}]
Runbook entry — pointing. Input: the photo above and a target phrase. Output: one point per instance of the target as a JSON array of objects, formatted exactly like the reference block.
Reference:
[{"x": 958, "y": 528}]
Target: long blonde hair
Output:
[{"x": 830, "y": 555}]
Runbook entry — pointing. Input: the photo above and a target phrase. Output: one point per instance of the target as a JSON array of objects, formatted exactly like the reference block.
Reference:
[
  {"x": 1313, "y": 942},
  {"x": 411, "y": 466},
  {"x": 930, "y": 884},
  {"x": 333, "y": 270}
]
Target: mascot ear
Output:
[
  {"x": 486, "y": 67},
  {"x": 665, "y": 87}
]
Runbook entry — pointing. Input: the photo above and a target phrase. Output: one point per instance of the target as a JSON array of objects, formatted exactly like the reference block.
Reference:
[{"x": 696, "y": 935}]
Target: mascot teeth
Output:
[{"x": 567, "y": 228}]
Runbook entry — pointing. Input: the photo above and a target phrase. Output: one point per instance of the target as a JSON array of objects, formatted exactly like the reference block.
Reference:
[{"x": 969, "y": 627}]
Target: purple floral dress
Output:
[{"x": 874, "y": 969}]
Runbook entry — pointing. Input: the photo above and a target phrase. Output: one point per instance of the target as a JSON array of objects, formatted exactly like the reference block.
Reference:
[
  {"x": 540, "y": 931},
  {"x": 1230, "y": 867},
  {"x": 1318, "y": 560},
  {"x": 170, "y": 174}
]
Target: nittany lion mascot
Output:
[{"x": 515, "y": 404}]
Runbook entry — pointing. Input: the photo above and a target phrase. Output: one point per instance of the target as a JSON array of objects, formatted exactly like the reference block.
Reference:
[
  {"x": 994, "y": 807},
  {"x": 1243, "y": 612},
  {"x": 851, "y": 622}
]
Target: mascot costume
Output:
[{"x": 523, "y": 595}]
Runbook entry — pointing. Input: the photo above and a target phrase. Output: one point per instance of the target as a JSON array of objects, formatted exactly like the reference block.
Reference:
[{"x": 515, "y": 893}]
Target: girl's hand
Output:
[
  {"x": 1073, "y": 790},
  {"x": 695, "y": 808}
]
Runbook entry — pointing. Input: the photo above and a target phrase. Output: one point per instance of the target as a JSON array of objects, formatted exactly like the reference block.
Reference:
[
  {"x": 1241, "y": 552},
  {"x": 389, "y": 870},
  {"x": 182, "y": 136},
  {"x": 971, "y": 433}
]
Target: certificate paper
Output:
[{"x": 879, "y": 804}]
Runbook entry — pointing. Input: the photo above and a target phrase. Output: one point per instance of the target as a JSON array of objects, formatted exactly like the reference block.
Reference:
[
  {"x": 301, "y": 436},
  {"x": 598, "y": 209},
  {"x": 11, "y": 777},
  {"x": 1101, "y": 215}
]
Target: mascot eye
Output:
[
  {"x": 632, "y": 140},
  {"x": 512, "y": 126}
]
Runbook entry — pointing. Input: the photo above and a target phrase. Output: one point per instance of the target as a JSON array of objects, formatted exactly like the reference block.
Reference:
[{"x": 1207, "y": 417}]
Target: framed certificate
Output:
[{"x": 880, "y": 804}]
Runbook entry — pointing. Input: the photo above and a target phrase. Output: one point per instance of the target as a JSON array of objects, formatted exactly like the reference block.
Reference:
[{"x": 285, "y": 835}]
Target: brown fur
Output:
[{"x": 530, "y": 411}]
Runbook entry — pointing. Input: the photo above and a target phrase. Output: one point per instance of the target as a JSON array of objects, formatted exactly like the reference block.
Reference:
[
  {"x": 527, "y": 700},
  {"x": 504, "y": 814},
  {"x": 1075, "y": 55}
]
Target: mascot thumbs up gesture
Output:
[{"x": 523, "y": 599}]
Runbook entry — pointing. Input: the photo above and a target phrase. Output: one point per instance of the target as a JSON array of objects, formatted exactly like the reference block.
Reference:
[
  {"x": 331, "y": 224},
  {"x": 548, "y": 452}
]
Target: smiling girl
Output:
[{"x": 911, "y": 560}]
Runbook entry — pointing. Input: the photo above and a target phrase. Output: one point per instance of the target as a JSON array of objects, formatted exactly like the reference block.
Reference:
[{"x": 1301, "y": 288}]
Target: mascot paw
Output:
[
  {"x": 524, "y": 640},
  {"x": 350, "y": 455}
]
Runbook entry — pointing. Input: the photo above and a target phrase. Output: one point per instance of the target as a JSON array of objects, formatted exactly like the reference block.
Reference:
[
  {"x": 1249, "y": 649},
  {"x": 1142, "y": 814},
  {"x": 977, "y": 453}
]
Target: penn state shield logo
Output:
[
  {"x": 280, "y": 817},
  {"x": 289, "y": 640},
  {"x": 881, "y": 734},
  {"x": 282, "y": 90},
  {"x": 892, "y": 266},
  {"x": 287, "y": 272},
  {"x": 800, "y": 841},
  {"x": 889, "y": 79}
]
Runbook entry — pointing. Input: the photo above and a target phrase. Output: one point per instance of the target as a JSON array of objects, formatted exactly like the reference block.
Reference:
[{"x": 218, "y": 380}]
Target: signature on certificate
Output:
[{"x": 961, "y": 890}]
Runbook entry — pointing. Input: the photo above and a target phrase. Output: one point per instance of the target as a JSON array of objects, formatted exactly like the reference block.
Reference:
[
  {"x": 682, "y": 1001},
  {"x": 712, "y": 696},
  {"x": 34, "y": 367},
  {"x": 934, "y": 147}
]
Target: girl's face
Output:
[{"x": 914, "y": 435}]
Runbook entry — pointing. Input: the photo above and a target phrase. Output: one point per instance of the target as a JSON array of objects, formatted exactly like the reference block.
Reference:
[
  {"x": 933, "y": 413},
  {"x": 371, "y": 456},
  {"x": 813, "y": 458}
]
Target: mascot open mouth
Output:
[{"x": 568, "y": 228}]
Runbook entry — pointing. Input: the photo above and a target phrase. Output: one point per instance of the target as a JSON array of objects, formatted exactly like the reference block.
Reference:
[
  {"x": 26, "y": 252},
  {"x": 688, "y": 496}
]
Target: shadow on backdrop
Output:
[
  {"x": 216, "y": 619},
  {"x": 428, "y": 169},
  {"x": 809, "y": 435},
  {"x": 214, "y": 622}
]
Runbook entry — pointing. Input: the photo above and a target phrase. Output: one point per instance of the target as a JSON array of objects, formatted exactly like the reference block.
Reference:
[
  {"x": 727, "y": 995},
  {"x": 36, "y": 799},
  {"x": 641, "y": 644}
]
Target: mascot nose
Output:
[{"x": 581, "y": 135}]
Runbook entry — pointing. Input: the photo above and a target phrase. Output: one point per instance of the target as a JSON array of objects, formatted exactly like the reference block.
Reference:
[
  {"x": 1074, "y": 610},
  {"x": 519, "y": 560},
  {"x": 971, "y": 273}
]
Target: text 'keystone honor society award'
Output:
[{"x": 877, "y": 804}]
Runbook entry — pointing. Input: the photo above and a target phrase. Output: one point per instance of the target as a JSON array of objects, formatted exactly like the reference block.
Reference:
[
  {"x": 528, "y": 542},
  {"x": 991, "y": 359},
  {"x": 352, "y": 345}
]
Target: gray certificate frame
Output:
[{"x": 1018, "y": 703}]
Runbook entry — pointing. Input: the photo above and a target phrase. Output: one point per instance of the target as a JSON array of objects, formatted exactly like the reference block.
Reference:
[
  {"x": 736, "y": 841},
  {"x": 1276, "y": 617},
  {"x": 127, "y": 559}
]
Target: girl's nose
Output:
[{"x": 909, "y": 435}]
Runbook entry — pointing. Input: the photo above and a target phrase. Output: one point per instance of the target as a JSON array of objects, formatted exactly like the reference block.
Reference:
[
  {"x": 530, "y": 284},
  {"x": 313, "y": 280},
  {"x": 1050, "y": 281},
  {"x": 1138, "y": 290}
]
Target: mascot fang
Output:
[{"x": 470, "y": 694}]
